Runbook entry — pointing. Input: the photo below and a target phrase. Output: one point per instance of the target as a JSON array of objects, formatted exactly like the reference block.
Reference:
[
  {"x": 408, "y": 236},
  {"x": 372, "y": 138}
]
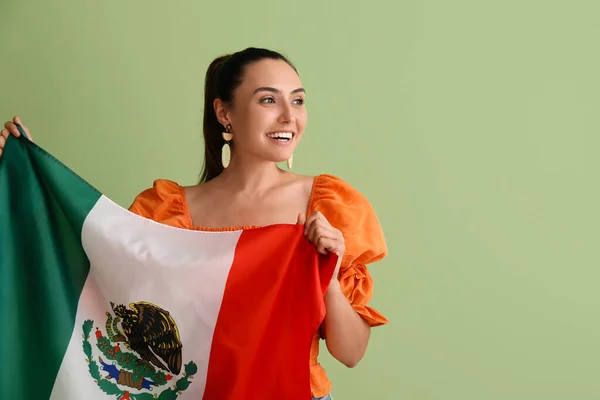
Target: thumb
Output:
[{"x": 301, "y": 219}]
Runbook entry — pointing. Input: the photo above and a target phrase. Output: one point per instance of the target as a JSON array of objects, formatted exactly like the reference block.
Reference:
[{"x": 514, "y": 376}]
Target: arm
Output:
[{"x": 346, "y": 332}]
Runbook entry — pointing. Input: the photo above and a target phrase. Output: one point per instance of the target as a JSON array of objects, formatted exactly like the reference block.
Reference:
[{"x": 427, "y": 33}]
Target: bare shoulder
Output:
[
  {"x": 302, "y": 184},
  {"x": 200, "y": 191}
]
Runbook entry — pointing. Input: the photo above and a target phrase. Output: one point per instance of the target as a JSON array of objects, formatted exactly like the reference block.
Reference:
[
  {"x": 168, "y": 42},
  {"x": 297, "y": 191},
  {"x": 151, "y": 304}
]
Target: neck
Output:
[{"x": 250, "y": 176}]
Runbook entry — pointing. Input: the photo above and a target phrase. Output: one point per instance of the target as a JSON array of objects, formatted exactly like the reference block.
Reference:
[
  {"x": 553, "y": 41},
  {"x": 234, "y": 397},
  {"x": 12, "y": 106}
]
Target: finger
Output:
[
  {"x": 325, "y": 245},
  {"x": 322, "y": 244},
  {"x": 322, "y": 231},
  {"x": 4, "y": 133},
  {"x": 309, "y": 228},
  {"x": 317, "y": 215},
  {"x": 329, "y": 237},
  {"x": 321, "y": 228},
  {"x": 12, "y": 128},
  {"x": 333, "y": 245},
  {"x": 17, "y": 120},
  {"x": 2, "y": 142},
  {"x": 16, "y": 130},
  {"x": 301, "y": 219},
  {"x": 328, "y": 243},
  {"x": 313, "y": 219}
]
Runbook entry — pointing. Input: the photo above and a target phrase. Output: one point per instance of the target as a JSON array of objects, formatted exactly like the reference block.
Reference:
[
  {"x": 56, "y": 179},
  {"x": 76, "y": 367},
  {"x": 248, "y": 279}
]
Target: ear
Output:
[{"x": 222, "y": 112}]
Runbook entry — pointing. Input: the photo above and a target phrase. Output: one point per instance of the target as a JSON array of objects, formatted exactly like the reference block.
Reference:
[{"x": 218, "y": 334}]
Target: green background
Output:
[{"x": 472, "y": 126}]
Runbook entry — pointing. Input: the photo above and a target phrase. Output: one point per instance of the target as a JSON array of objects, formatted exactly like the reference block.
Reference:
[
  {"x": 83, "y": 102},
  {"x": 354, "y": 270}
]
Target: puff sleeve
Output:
[
  {"x": 349, "y": 211},
  {"x": 164, "y": 202}
]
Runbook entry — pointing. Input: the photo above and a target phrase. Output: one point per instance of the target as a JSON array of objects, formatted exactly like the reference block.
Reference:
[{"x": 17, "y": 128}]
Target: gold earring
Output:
[
  {"x": 290, "y": 162},
  {"x": 226, "y": 150}
]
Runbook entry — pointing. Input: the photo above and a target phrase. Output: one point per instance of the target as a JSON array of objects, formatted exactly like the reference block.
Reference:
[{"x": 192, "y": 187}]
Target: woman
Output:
[{"x": 254, "y": 117}]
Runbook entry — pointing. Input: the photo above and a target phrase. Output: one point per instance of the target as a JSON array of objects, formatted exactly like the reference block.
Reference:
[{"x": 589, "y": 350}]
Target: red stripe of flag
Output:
[{"x": 271, "y": 309}]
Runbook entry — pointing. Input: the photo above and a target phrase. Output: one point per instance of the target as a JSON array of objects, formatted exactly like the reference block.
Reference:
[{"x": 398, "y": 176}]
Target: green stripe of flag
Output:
[{"x": 40, "y": 235}]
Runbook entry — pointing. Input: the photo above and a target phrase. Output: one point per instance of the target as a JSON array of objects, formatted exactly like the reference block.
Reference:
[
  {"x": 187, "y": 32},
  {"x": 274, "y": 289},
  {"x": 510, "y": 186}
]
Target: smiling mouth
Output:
[{"x": 281, "y": 136}]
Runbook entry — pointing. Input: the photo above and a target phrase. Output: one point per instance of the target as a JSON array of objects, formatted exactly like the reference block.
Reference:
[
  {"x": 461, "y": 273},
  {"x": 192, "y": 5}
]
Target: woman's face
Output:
[{"x": 268, "y": 114}]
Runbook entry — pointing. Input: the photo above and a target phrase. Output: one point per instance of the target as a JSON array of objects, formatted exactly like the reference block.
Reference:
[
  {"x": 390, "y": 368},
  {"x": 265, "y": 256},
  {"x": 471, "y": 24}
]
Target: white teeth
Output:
[{"x": 280, "y": 135}]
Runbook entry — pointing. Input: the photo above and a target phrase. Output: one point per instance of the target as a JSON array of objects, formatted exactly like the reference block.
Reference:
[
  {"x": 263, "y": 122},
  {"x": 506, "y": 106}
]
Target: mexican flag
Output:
[{"x": 99, "y": 303}]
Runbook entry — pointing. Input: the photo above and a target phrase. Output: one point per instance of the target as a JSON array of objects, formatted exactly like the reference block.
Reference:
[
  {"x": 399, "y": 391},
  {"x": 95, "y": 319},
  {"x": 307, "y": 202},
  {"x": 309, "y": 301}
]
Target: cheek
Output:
[
  {"x": 249, "y": 121},
  {"x": 261, "y": 118},
  {"x": 254, "y": 122},
  {"x": 301, "y": 119}
]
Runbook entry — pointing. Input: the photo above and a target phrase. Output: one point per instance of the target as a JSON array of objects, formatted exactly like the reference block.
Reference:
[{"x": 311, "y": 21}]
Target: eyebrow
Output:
[{"x": 273, "y": 90}]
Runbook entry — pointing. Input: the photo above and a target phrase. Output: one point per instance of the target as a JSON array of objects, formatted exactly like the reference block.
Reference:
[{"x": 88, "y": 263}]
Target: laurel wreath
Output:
[{"x": 126, "y": 360}]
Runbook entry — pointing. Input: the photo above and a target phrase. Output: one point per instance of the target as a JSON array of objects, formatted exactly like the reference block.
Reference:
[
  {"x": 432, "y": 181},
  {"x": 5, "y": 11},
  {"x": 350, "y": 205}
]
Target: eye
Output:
[
  {"x": 268, "y": 100},
  {"x": 299, "y": 102}
]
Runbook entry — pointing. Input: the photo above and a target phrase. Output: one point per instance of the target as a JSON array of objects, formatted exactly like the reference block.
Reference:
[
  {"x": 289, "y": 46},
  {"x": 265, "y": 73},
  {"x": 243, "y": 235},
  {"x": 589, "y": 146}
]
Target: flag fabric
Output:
[{"x": 99, "y": 303}]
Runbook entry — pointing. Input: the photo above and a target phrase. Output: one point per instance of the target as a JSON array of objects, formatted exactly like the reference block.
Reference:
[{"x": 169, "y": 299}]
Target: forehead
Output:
[{"x": 272, "y": 73}]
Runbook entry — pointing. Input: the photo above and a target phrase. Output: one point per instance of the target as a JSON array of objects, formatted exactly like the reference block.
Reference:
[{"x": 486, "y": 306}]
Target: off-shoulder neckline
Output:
[{"x": 186, "y": 209}]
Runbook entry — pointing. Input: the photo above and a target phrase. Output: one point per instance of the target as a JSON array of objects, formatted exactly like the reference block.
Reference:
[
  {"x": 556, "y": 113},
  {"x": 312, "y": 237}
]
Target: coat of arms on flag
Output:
[{"x": 142, "y": 351}]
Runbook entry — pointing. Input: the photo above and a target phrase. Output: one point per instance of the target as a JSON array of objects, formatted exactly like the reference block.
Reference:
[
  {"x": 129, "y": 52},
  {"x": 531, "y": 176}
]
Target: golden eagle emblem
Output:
[
  {"x": 155, "y": 359},
  {"x": 151, "y": 332}
]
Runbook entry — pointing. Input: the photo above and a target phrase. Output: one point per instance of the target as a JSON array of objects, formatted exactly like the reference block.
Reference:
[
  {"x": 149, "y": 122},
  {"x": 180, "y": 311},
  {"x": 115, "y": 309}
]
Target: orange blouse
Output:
[{"x": 345, "y": 209}]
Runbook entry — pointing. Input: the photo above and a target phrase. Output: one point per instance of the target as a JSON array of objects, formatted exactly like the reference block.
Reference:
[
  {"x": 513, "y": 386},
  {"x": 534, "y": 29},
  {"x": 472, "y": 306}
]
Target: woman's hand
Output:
[
  {"x": 325, "y": 237},
  {"x": 10, "y": 128}
]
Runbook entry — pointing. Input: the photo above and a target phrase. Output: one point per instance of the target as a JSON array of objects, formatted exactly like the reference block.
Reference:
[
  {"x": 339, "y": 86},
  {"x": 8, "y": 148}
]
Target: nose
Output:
[{"x": 287, "y": 115}]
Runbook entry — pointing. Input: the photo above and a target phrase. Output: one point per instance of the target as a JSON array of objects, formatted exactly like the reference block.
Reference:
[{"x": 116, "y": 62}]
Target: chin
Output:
[{"x": 278, "y": 158}]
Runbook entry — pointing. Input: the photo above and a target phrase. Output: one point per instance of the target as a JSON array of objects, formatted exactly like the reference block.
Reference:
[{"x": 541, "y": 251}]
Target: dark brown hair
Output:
[{"x": 223, "y": 76}]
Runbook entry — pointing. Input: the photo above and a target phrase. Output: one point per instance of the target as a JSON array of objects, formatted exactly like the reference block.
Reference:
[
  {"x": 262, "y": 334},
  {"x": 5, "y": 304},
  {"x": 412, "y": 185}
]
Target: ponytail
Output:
[
  {"x": 223, "y": 76},
  {"x": 213, "y": 140}
]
